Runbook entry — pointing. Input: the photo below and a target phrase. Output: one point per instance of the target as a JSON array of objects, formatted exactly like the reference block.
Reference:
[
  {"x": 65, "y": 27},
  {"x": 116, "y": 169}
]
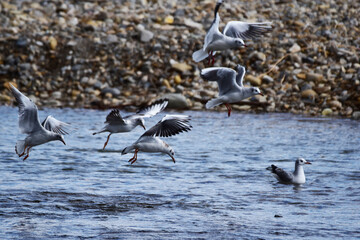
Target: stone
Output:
[
  {"x": 52, "y": 43},
  {"x": 254, "y": 81},
  {"x": 56, "y": 95},
  {"x": 169, "y": 19},
  {"x": 295, "y": 48},
  {"x": 182, "y": 67},
  {"x": 335, "y": 104},
  {"x": 5, "y": 98},
  {"x": 314, "y": 77},
  {"x": 190, "y": 23},
  {"x": 145, "y": 35},
  {"x": 327, "y": 112},
  {"x": 267, "y": 79},
  {"x": 113, "y": 91},
  {"x": 176, "y": 101},
  {"x": 177, "y": 79},
  {"x": 257, "y": 56},
  {"x": 309, "y": 94},
  {"x": 356, "y": 115}
]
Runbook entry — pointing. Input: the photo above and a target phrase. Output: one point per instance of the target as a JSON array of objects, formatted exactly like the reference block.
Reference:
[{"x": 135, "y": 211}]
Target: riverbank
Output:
[{"x": 109, "y": 54}]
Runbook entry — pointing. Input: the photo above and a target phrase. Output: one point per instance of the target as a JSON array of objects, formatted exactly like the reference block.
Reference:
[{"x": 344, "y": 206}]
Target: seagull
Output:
[
  {"x": 150, "y": 141},
  {"x": 233, "y": 36},
  {"x": 50, "y": 129},
  {"x": 230, "y": 83},
  {"x": 118, "y": 124},
  {"x": 297, "y": 177}
]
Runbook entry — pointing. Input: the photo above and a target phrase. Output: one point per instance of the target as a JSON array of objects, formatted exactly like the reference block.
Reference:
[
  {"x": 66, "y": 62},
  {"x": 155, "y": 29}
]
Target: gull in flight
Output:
[
  {"x": 50, "y": 129},
  {"x": 233, "y": 36},
  {"x": 115, "y": 123},
  {"x": 296, "y": 177},
  {"x": 230, "y": 83},
  {"x": 150, "y": 141}
]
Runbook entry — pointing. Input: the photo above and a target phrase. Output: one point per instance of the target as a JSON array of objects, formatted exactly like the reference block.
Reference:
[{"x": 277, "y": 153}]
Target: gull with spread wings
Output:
[
  {"x": 50, "y": 129},
  {"x": 230, "y": 83},
  {"x": 150, "y": 141},
  {"x": 115, "y": 123},
  {"x": 233, "y": 36}
]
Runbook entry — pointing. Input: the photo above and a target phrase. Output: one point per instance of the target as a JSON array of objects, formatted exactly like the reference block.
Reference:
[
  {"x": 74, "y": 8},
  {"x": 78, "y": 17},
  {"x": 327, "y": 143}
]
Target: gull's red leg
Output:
[
  {"x": 228, "y": 108},
  {"x": 108, "y": 138},
  {"x": 23, "y": 152},
  {"x": 134, "y": 158},
  {"x": 27, "y": 154}
]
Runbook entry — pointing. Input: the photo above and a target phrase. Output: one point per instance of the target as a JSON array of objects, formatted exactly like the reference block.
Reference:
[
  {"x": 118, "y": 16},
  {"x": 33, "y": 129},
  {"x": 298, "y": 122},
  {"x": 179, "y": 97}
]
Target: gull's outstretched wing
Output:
[
  {"x": 151, "y": 110},
  {"x": 52, "y": 124},
  {"x": 225, "y": 77},
  {"x": 240, "y": 75},
  {"x": 170, "y": 125},
  {"x": 28, "y": 112},
  {"x": 114, "y": 117},
  {"x": 244, "y": 30}
]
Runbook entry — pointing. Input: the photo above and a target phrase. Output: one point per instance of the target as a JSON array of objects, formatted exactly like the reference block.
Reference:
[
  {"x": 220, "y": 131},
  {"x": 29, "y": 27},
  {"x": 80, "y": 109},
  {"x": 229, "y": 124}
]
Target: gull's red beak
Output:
[
  {"x": 261, "y": 94},
  {"x": 63, "y": 142},
  {"x": 308, "y": 162},
  {"x": 143, "y": 126}
]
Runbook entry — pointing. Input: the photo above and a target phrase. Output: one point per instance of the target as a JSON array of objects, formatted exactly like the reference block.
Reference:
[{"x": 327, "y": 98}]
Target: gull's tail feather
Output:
[
  {"x": 20, "y": 147},
  {"x": 127, "y": 150},
  {"x": 213, "y": 103},
  {"x": 199, "y": 55}
]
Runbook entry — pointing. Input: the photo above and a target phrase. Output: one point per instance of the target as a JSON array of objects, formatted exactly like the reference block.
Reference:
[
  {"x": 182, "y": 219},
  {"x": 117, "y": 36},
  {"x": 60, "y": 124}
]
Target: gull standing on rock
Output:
[
  {"x": 51, "y": 129},
  {"x": 150, "y": 141},
  {"x": 230, "y": 83},
  {"x": 296, "y": 177},
  {"x": 118, "y": 124},
  {"x": 233, "y": 36}
]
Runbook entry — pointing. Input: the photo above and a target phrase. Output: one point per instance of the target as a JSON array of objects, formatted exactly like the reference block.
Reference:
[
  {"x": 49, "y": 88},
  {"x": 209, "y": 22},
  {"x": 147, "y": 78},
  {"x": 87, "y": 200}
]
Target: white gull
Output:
[
  {"x": 233, "y": 36},
  {"x": 230, "y": 83},
  {"x": 296, "y": 177},
  {"x": 150, "y": 141},
  {"x": 50, "y": 129}
]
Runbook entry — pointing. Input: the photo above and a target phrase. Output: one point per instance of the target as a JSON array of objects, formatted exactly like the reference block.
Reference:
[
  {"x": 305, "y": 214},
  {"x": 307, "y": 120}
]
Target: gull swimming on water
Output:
[
  {"x": 296, "y": 177},
  {"x": 233, "y": 36},
  {"x": 150, "y": 141},
  {"x": 115, "y": 123},
  {"x": 50, "y": 129},
  {"x": 230, "y": 83}
]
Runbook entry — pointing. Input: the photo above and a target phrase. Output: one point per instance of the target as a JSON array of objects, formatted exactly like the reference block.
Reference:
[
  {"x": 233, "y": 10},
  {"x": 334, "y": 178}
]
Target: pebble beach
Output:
[{"x": 125, "y": 54}]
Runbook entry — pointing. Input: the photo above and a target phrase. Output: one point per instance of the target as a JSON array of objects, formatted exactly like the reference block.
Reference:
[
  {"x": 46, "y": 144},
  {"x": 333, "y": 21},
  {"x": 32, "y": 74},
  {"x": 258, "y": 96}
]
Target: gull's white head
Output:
[
  {"x": 256, "y": 91},
  {"x": 301, "y": 161}
]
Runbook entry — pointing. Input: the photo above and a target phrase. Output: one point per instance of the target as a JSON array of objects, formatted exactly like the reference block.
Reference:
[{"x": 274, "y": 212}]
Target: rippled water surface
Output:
[{"x": 218, "y": 188}]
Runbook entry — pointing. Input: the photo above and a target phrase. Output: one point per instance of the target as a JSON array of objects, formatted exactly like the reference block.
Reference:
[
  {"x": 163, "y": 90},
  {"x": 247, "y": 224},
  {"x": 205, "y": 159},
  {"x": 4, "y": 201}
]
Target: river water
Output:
[{"x": 219, "y": 187}]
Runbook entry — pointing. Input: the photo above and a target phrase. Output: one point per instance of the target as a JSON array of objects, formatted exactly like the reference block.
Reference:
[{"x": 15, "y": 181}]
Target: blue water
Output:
[{"x": 219, "y": 187}]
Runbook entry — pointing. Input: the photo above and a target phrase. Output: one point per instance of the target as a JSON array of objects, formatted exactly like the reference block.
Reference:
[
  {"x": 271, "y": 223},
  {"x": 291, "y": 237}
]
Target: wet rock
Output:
[
  {"x": 176, "y": 101},
  {"x": 327, "y": 112},
  {"x": 356, "y": 115}
]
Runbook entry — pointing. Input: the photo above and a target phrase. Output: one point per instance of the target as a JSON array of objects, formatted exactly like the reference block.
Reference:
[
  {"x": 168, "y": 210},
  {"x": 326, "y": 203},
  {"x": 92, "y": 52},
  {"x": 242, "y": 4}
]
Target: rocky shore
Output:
[{"x": 125, "y": 54}]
